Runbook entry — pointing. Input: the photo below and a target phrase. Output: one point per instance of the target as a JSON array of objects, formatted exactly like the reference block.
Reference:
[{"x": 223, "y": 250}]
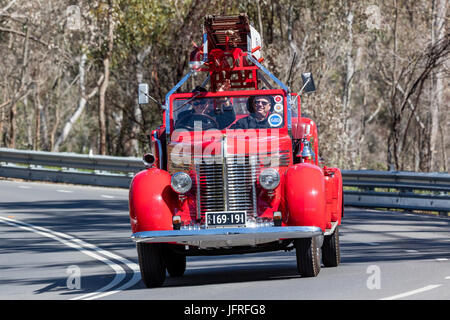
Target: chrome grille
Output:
[
  {"x": 229, "y": 183},
  {"x": 241, "y": 183},
  {"x": 209, "y": 184},
  {"x": 226, "y": 186}
]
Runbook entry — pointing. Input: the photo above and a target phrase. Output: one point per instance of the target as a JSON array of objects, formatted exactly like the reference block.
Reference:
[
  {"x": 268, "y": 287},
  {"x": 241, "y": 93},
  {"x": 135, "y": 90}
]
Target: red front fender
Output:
[
  {"x": 305, "y": 196},
  {"x": 151, "y": 201}
]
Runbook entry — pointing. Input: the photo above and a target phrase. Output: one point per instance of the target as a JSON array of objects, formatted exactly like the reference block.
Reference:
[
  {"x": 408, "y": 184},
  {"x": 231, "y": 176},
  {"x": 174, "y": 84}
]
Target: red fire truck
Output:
[{"x": 234, "y": 168}]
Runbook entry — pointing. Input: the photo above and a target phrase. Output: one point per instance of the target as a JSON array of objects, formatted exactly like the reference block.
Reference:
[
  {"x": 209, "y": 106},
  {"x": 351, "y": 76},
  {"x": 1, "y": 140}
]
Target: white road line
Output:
[
  {"x": 64, "y": 191},
  {"x": 24, "y": 187},
  {"x": 135, "y": 279},
  {"x": 120, "y": 272},
  {"x": 441, "y": 259},
  {"x": 412, "y": 292},
  {"x": 101, "y": 293},
  {"x": 83, "y": 247},
  {"x": 411, "y": 251},
  {"x": 106, "y": 196}
]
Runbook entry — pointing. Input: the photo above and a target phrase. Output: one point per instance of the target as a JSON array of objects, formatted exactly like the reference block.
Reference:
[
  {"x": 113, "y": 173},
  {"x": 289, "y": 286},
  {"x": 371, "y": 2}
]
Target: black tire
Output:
[
  {"x": 175, "y": 262},
  {"x": 331, "y": 252},
  {"x": 151, "y": 263},
  {"x": 308, "y": 256}
]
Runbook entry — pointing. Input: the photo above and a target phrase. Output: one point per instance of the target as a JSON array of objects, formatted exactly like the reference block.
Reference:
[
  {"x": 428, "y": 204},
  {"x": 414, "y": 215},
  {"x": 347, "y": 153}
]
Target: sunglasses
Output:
[{"x": 264, "y": 103}]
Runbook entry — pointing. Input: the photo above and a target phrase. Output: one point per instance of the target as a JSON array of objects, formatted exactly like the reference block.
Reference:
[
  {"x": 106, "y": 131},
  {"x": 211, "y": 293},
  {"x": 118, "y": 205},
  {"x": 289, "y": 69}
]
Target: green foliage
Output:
[{"x": 142, "y": 22}]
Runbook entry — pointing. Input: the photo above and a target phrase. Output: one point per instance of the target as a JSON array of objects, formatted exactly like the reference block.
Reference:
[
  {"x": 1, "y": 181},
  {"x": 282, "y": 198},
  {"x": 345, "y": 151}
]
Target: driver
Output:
[
  {"x": 218, "y": 114},
  {"x": 199, "y": 106}
]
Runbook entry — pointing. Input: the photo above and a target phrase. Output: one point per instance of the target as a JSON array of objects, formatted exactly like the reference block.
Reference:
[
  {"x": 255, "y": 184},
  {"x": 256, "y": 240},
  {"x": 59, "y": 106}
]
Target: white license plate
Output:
[{"x": 226, "y": 219}]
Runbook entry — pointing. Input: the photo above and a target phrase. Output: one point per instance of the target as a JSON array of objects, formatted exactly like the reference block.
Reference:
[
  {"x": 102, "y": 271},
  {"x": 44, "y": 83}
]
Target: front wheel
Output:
[
  {"x": 308, "y": 256},
  {"x": 175, "y": 262},
  {"x": 151, "y": 263}
]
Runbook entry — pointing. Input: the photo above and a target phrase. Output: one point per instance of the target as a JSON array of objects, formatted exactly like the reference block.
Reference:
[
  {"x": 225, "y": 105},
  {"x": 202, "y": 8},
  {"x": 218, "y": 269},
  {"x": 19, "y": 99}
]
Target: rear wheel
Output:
[
  {"x": 175, "y": 262},
  {"x": 151, "y": 263},
  {"x": 331, "y": 253},
  {"x": 308, "y": 256}
]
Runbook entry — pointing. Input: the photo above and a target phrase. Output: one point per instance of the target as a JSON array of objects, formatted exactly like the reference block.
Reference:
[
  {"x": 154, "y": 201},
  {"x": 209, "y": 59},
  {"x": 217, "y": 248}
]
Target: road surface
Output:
[{"x": 65, "y": 242}]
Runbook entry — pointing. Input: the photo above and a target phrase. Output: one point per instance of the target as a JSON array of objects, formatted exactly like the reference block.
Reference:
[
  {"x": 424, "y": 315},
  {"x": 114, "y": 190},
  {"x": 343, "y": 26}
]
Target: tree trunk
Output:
[
  {"x": 261, "y": 30},
  {"x": 37, "y": 119},
  {"x": 136, "y": 116},
  {"x": 81, "y": 103},
  {"x": 104, "y": 86},
  {"x": 350, "y": 70},
  {"x": 101, "y": 108},
  {"x": 437, "y": 33},
  {"x": 13, "y": 110},
  {"x": 2, "y": 119},
  {"x": 395, "y": 122},
  {"x": 12, "y": 125}
]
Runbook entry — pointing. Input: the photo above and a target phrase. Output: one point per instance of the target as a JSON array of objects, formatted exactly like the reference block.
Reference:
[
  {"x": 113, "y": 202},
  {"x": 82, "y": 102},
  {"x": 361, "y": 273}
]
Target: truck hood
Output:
[{"x": 270, "y": 147}]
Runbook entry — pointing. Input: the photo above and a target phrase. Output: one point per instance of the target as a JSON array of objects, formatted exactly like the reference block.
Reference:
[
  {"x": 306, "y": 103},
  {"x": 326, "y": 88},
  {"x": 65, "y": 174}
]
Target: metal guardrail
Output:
[
  {"x": 69, "y": 167},
  {"x": 397, "y": 190},
  {"x": 362, "y": 188}
]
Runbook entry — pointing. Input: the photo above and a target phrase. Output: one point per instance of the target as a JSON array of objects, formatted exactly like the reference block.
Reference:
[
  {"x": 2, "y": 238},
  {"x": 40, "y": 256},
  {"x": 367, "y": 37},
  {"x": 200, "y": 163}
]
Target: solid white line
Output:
[
  {"x": 133, "y": 266},
  {"x": 120, "y": 272},
  {"x": 100, "y": 293},
  {"x": 82, "y": 247},
  {"x": 64, "y": 191},
  {"x": 441, "y": 259},
  {"x": 412, "y": 292}
]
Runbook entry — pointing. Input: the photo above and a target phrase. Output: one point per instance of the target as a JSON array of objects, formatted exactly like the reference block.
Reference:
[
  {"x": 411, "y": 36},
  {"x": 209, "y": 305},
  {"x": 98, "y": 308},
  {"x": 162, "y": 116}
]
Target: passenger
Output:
[
  {"x": 224, "y": 110},
  {"x": 260, "y": 107}
]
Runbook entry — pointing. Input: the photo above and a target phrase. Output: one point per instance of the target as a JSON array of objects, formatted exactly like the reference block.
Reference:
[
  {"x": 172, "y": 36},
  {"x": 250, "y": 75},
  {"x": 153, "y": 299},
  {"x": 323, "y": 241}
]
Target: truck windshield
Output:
[{"x": 242, "y": 112}]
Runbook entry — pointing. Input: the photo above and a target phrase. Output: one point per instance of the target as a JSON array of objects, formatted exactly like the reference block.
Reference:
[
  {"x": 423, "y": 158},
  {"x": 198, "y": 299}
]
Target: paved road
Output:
[{"x": 61, "y": 242}]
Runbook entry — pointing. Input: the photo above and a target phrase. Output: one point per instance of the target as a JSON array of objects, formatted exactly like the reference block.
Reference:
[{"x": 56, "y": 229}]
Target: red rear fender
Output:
[{"x": 336, "y": 214}]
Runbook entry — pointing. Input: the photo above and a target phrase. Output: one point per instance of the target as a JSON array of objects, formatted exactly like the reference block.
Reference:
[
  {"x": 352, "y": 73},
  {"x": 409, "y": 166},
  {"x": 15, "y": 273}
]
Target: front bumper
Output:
[{"x": 226, "y": 234}]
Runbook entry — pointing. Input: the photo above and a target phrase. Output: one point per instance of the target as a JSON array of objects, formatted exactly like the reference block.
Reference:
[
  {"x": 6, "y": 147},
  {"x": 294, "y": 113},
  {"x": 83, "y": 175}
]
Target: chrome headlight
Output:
[
  {"x": 181, "y": 182},
  {"x": 269, "y": 179}
]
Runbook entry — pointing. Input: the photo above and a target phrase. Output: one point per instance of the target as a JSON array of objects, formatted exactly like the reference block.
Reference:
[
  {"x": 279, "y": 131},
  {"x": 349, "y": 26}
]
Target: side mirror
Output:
[
  {"x": 308, "y": 82},
  {"x": 143, "y": 93}
]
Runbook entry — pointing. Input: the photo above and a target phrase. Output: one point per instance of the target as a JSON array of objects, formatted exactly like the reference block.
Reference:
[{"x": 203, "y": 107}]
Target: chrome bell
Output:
[{"x": 307, "y": 150}]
